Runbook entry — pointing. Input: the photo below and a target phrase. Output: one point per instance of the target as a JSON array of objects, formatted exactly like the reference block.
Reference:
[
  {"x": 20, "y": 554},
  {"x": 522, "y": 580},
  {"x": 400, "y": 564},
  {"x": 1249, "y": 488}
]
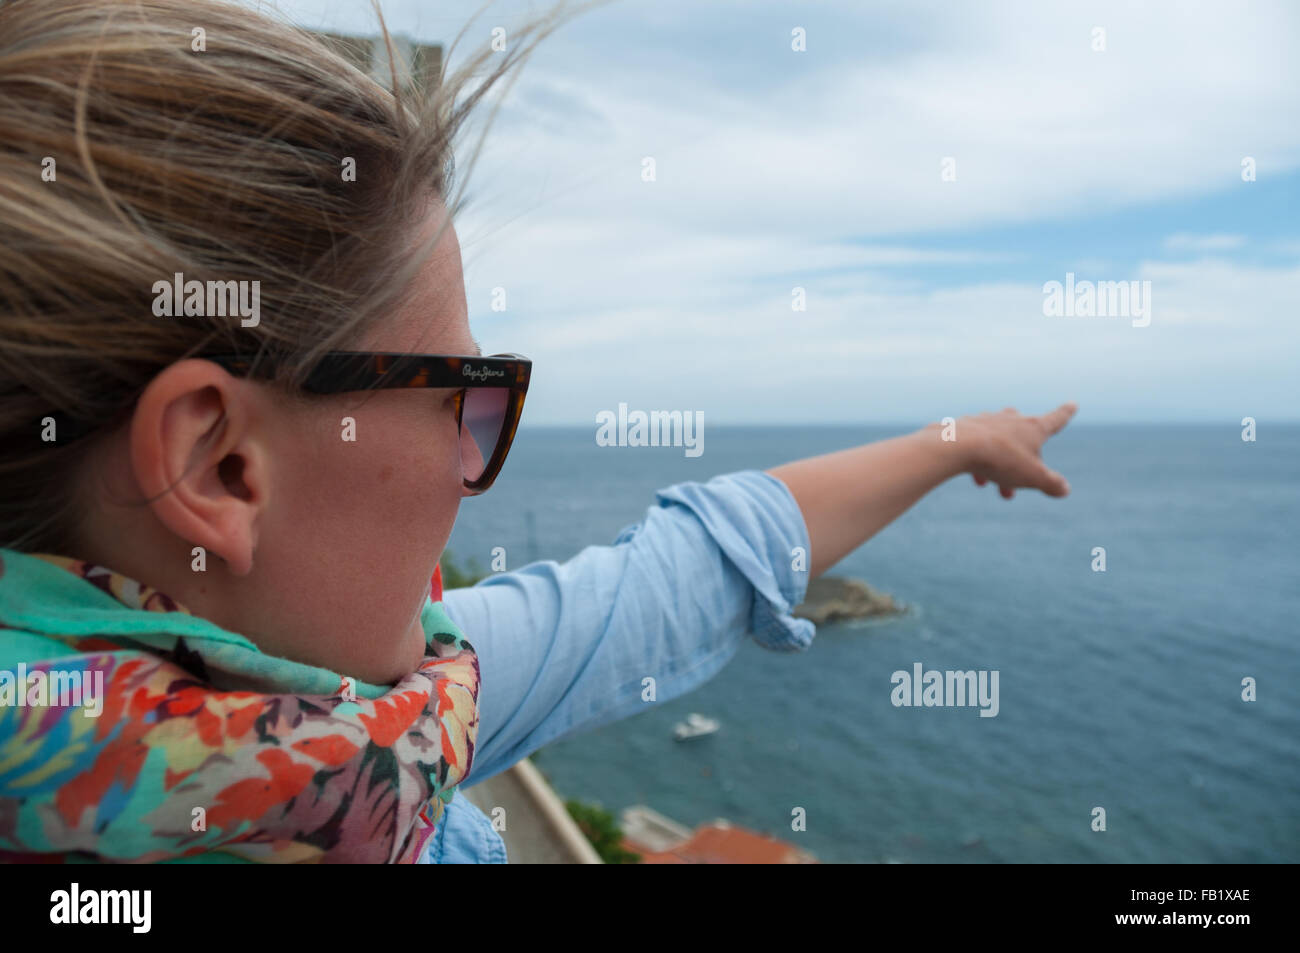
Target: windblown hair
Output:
[{"x": 222, "y": 164}]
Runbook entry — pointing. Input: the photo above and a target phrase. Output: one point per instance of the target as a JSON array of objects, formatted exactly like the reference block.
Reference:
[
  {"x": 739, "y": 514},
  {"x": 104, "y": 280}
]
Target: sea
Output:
[{"x": 1148, "y": 713}]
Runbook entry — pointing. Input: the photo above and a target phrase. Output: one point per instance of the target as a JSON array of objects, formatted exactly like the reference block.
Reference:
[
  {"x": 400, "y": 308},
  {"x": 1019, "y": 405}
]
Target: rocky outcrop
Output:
[{"x": 835, "y": 599}]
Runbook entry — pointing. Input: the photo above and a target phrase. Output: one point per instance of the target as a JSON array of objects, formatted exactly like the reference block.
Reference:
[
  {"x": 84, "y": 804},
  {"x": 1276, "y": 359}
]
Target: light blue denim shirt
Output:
[{"x": 563, "y": 648}]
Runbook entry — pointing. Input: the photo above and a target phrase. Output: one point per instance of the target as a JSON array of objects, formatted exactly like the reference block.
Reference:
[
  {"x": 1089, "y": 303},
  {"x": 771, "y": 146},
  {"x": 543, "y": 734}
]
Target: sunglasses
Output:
[{"x": 489, "y": 398}]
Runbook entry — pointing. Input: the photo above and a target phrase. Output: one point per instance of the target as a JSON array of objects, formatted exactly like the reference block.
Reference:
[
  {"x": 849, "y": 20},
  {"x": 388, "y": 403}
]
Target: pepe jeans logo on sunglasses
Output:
[
  {"x": 482, "y": 374},
  {"x": 659, "y": 428},
  {"x": 193, "y": 298}
]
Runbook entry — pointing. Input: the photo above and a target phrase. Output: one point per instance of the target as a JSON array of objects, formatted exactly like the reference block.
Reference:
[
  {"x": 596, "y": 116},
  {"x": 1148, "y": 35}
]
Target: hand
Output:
[{"x": 1005, "y": 449}]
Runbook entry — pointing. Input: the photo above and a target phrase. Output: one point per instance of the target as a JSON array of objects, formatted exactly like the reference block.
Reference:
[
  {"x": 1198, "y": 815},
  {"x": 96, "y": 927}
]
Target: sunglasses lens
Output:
[{"x": 481, "y": 425}]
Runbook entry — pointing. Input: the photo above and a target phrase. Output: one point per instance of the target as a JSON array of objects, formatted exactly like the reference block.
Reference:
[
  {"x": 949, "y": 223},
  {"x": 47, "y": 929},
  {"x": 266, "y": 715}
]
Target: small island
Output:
[{"x": 837, "y": 599}]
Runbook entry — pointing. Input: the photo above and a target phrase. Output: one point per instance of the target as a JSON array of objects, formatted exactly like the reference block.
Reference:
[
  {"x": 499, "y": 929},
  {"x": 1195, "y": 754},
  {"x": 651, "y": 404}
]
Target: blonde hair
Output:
[{"x": 221, "y": 164}]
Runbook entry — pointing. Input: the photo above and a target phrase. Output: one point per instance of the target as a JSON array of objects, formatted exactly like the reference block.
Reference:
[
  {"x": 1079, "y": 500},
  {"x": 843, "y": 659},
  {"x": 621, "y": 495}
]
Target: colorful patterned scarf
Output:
[{"x": 203, "y": 743}]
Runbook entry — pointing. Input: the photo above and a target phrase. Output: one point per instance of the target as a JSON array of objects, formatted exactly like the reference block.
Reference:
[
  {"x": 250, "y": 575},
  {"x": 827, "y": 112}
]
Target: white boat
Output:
[{"x": 694, "y": 726}]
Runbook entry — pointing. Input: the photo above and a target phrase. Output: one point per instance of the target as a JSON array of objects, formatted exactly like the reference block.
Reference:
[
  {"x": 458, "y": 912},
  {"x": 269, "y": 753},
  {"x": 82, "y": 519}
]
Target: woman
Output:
[{"x": 239, "y": 406}]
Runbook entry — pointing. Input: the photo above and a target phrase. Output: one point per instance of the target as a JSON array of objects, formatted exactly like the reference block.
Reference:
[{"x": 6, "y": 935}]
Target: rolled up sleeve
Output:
[{"x": 568, "y": 647}]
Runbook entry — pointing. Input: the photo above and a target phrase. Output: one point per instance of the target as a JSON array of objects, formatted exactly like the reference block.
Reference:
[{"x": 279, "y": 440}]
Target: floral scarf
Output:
[{"x": 204, "y": 744}]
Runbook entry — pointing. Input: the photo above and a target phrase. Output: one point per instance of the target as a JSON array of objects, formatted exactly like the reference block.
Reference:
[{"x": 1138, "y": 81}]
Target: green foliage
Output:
[
  {"x": 599, "y": 827},
  {"x": 455, "y": 577}
]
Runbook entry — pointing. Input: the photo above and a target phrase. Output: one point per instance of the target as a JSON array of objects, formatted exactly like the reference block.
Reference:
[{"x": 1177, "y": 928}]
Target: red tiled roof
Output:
[{"x": 714, "y": 844}]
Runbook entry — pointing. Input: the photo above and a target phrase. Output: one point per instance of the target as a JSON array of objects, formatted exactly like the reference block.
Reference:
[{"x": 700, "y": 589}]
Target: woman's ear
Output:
[{"x": 200, "y": 459}]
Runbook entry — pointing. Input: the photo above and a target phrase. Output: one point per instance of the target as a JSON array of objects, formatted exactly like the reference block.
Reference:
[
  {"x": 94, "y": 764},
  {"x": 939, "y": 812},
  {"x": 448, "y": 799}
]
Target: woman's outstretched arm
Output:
[
  {"x": 848, "y": 496},
  {"x": 568, "y": 647}
]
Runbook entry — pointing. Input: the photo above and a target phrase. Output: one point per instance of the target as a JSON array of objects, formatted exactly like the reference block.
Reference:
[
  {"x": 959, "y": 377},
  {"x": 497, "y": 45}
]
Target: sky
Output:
[{"x": 1114, "y": 156}]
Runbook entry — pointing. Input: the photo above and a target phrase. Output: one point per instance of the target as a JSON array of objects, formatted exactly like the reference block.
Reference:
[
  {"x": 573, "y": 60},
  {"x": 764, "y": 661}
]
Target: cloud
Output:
[
  {"x": 873, "y": 349},
  {"x": 1040, "y": 126},
  {"x": 821, "y": 170},
  {"x": 1204, "y": 243}
]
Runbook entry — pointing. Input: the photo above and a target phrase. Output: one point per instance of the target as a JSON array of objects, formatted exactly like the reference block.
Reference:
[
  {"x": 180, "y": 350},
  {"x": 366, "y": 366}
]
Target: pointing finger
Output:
[
  {"x": 1056, "y": 420},
  {"x": 1053, "y": 483}
]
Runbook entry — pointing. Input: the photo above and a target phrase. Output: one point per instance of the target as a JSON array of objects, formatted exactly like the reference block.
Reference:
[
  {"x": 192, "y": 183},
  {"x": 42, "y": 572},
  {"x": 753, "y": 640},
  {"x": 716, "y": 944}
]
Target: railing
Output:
[{"x": 538, "y": 828}]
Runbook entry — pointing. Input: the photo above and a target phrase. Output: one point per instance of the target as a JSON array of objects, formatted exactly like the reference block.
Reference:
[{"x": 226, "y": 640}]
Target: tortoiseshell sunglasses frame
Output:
[{"x": 339, "y": 372}]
